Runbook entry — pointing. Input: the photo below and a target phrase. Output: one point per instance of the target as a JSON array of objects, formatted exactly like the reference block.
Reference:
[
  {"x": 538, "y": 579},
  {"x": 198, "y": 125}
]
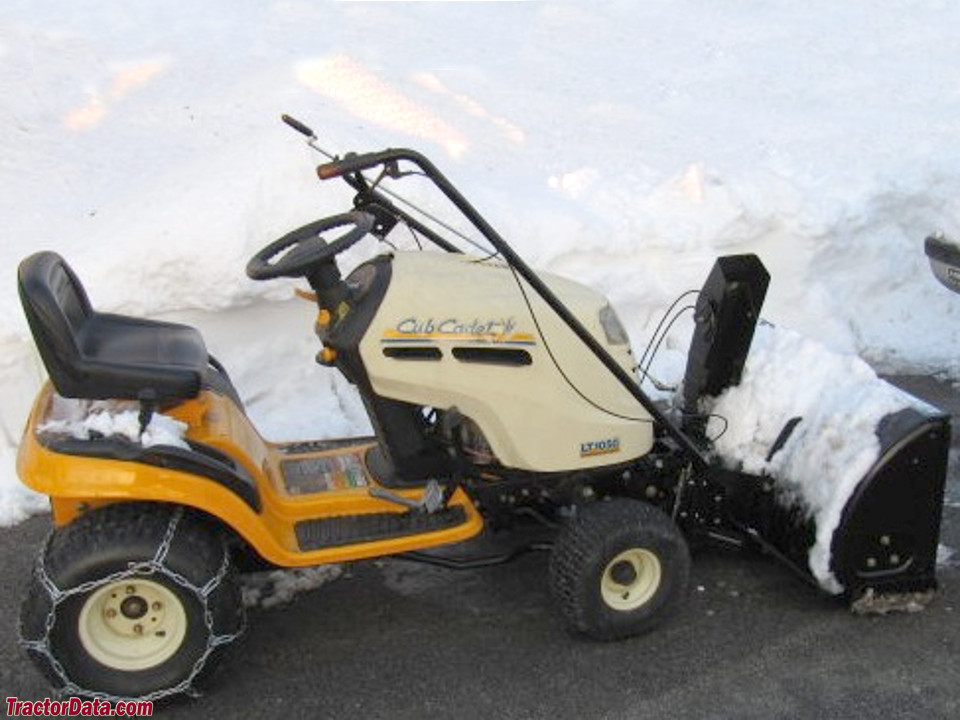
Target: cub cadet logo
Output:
[
  {"x": 416, "y": 330},
  {"x": 453, "y": 326},
  {"x": 599, "y": 447}
]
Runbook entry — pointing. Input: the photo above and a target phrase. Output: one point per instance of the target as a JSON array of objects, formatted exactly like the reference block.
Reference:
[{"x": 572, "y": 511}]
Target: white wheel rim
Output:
[
  {"x": 133, "y": 624},
  {"x": 644, "y": 574}
]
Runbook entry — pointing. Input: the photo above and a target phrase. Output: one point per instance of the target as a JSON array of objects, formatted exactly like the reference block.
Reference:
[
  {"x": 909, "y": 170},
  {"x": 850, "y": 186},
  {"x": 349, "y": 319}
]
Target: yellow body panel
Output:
[{"x": 76, "y": 483}]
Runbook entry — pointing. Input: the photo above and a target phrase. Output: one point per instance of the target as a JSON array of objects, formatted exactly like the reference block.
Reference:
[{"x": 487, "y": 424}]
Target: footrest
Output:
[{"x": 352, "y": 529}]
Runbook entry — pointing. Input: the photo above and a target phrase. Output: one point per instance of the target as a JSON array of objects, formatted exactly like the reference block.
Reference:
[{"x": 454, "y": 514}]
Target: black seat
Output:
[{"x": 100, "y": 355}]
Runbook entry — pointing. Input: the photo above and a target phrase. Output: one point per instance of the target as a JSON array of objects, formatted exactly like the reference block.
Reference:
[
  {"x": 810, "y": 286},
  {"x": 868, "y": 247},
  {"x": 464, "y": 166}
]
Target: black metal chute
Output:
[{"x": 727, "y": 311}]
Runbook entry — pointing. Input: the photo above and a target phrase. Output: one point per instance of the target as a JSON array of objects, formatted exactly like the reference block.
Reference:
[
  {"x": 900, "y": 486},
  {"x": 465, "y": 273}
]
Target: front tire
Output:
[
  {"x": 618, "y": 569},
  {"x": 131, "y": 601}
]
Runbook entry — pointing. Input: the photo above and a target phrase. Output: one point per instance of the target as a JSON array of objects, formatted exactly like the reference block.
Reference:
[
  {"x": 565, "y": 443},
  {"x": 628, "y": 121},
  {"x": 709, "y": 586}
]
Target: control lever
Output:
[
  {"x": 299, "y": 127},
  {"x": 432, "y": 499}
]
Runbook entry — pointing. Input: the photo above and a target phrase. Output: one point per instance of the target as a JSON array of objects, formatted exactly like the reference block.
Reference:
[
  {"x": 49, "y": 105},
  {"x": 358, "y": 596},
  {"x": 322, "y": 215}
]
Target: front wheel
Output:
[
  {"x": 618, "y": 569},
  {"x": 131, "y": 601}
]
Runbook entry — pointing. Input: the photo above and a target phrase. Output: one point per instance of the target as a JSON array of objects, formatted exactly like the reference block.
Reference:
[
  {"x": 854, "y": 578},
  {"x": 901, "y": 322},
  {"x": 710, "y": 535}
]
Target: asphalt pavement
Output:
[{"x": 390, "y": 639}]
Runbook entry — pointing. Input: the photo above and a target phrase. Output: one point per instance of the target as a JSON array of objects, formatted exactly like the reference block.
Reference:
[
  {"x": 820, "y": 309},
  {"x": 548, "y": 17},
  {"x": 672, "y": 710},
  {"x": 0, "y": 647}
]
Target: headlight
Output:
[{"x": 612, "y": 327}]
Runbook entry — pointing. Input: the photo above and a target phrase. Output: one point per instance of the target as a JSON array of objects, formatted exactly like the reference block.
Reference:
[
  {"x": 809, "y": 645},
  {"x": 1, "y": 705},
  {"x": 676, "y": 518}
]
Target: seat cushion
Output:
[
  {"x": 126, "y": 355},
  {"x": 135, "y": 341}
]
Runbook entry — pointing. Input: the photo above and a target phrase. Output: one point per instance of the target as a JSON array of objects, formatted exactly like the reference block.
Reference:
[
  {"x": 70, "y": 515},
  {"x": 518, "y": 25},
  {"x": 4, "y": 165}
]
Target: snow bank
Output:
[
  {"x": 839, "y": 400},
  {"x": 623, "y": 144},
  {"x": 18, "y": 502}
]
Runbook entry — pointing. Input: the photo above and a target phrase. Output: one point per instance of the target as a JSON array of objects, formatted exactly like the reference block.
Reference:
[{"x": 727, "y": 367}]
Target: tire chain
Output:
[{"x": 153, "y": 566}]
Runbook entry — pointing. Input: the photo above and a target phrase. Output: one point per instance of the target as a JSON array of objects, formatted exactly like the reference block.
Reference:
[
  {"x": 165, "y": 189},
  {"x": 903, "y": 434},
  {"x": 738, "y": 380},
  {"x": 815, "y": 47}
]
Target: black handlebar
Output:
[{"x": 353, "y": 163}]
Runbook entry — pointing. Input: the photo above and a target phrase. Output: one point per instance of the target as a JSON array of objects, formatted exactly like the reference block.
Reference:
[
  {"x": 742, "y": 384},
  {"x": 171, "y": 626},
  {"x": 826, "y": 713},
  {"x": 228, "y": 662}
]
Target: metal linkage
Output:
[{"x": 154, "y": 566}]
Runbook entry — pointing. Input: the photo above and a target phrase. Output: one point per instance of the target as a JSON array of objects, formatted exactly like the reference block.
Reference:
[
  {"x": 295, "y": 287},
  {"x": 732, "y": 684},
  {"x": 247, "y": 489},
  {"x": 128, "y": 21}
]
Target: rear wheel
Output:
[
  {"x": 618, "y": 569},
  {"x": 131, "y": 600}
]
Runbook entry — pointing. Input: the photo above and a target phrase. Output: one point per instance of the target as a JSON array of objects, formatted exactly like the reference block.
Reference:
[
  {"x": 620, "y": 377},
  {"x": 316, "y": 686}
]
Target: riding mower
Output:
[{"x": 499, "y": 398}]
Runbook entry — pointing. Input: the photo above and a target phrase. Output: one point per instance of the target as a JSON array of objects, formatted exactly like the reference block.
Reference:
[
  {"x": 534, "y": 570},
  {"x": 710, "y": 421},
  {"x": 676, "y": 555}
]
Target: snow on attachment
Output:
[{"x": 817, "y": 467}]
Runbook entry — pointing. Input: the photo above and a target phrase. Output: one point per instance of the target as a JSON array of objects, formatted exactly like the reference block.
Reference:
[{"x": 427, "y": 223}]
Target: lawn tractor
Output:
[{"x": 499, "y": 397}]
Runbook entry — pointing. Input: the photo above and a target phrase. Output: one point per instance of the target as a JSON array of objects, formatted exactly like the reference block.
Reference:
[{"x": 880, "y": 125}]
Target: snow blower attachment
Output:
[
  {"x": 504, "y": 402},
  {"x": 884, "y": 542}
]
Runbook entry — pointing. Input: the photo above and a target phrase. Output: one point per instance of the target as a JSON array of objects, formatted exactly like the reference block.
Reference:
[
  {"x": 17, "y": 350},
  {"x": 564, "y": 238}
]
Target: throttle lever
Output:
[{"x": 299, "y": 126}]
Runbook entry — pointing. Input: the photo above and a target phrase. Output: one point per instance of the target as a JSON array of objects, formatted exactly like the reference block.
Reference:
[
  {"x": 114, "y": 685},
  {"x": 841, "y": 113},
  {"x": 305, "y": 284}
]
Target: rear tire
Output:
[
  {"x": 119, "y": 631},
  {"x": 618, "y": 569}
]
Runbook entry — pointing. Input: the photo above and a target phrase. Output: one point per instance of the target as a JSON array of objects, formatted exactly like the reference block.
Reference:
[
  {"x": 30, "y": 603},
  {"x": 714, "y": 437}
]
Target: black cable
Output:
[
  {"x": 449, "y": 228},
  {"x": 645, "y": 372},
  {"x": 488, "y": 256},
  {"x": 416, "y": 238},
  {"x": 662, "y": 320},
  {"x": 556, "y": 364}
]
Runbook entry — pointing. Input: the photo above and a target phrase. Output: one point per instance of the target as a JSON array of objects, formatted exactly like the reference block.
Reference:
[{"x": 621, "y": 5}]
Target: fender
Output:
[{"x": 259, "y": 514}]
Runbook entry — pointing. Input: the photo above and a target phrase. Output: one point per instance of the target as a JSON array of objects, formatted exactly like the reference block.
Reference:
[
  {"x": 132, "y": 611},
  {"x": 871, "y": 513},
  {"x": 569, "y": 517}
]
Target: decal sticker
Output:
[
  {"x": 600, "y": 447},
  {"x": 493, "y": 330},
  {"x": 327, "y": 472}
]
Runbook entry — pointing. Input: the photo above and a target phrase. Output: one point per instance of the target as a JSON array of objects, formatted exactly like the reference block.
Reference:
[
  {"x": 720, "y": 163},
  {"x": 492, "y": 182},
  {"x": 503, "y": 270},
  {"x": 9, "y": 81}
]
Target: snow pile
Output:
[
  {"x": 18, "y": 502},
  {"x": 839, "y": 400},
  {"x": 271, "y": 588},
  {"x": 91, "y": 419},
  {"x": 143, "y": 144}
]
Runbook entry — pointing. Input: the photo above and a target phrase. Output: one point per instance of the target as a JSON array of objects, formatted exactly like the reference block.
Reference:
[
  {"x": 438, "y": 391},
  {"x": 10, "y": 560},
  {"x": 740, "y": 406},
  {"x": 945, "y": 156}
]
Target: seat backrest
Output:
[{"x": 57, "y": 307}]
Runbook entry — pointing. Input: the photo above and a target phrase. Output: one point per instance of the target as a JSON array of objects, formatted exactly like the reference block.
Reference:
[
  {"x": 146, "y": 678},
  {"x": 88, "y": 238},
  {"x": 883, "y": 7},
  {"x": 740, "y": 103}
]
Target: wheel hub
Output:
[
  {"x": 623, "y": 573},
  {"x": 134, "y": 607},
  {"x": 631, "y": 579},
  {"x": 133, "y": 624}
]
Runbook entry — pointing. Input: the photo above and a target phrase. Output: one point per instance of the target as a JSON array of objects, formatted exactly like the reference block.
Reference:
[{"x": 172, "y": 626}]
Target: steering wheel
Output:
[{"x": 305, "y": 249}]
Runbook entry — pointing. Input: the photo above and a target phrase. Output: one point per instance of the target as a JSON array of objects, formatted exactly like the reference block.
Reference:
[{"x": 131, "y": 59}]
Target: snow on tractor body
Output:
[{"x": 499, "y": 397}]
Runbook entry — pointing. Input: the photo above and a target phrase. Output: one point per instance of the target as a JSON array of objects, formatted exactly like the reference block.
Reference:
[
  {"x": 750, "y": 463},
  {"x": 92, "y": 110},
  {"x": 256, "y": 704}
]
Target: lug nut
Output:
[
  {"x": 110, "y": 613},
  {"x": 156, "y": 605},
  {"x": 138, "y": 629}
]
